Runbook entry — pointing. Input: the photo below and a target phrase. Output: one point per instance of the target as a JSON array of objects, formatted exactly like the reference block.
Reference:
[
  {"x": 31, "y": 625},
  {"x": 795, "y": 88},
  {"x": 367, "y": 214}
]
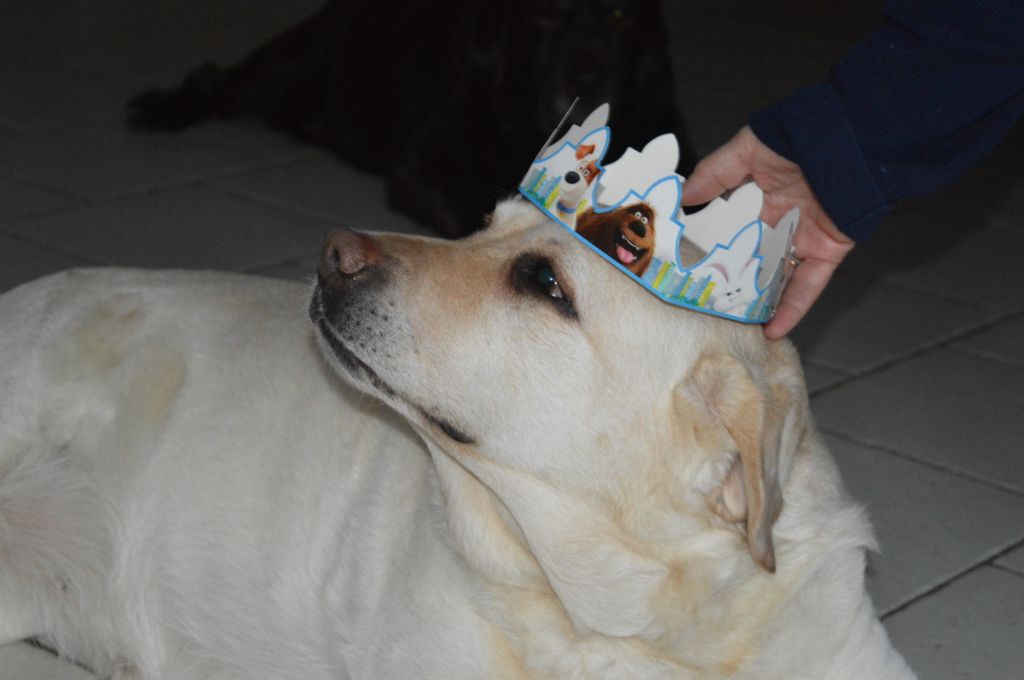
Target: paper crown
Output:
[{"x": 721, "y": 260}]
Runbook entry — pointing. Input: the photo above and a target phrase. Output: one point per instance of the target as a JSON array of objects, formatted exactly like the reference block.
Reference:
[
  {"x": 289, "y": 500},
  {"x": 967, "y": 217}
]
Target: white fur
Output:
[{"x": 187, "y": 490}]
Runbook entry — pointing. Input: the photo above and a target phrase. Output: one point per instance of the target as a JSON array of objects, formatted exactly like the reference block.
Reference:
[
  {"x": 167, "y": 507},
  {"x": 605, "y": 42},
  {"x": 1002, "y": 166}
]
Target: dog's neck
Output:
[
  {"x": 710, "y": 609},
  {"x": 481, "y": 529}
]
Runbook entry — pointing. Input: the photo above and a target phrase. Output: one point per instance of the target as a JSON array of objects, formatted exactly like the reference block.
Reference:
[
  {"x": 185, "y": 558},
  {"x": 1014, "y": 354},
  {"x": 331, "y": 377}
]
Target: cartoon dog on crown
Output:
[
  {"x": 722, "y": 259},
  {"x": 575, "y": 183},
  {"x": 625, "y": 234}
]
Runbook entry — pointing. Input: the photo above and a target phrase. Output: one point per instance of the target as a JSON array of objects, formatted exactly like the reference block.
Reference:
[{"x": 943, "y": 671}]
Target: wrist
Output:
[{"x": 810, "y": 128}]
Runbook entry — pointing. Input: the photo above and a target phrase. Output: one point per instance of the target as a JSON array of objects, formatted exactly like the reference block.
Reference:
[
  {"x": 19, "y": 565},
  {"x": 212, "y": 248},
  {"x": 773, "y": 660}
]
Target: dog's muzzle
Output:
[
  {"x": 349, "y": 278},
  {"x": 638, "y": 228},
  {"x": 350, "y": 266}
]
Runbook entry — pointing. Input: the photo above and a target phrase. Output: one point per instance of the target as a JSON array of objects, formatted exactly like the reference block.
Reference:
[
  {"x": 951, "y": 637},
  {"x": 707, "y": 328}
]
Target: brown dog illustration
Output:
[{"x": 625, "y": 234}]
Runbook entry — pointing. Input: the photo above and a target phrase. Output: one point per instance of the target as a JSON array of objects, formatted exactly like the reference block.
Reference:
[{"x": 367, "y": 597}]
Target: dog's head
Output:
[
  {"x": 625, "y": 234},
  {"x": 584, "y": 431}
]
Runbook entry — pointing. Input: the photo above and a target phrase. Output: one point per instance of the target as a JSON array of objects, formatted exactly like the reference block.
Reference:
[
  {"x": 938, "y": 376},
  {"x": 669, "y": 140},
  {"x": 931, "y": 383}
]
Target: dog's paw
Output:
[{"x": 176, "y": 108}]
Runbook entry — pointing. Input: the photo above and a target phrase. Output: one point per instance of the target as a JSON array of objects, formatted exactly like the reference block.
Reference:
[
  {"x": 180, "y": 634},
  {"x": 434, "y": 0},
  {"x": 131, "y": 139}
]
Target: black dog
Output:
[{"x": 449, "y": 99}]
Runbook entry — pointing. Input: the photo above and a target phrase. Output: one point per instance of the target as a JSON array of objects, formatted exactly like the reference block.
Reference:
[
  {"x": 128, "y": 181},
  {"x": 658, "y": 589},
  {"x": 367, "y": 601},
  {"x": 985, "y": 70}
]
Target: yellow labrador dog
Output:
[{"x": 573, "y": 479}]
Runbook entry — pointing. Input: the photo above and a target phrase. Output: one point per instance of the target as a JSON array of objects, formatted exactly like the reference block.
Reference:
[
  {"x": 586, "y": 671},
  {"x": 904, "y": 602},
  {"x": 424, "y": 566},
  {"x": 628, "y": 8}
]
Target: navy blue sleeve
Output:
[{"x": 907, "y": 110}]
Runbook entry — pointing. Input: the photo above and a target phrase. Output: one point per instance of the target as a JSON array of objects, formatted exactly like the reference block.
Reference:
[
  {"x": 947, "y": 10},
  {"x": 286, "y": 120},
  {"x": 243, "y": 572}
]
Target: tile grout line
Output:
[
  {"x": 256, "y": 270},
  {"x": 199, "y": 182},
  {"x": 47, "y": 212},
  {"x": 202, "y": 179},
  {"x": 885, "y": 277},
  {"x": 988, "y": 560},
  {"x": 1018, "y": 544},
  {"x": 956, "y": 472},
  {"x": 196, "y": 180},
  {"x": 955, "y": 336},
  {"x": 921, "y": 289},
  {"x": 828, "y": 385},
  {"x": 270, "y": 202},
  {"x": 282, "y": 204},
  {"x": 83, "y": 259},
  {"x": 989, "y": 356},
  {"x": 1008, "y": 570},
  {"x": 36, "y": 184}
]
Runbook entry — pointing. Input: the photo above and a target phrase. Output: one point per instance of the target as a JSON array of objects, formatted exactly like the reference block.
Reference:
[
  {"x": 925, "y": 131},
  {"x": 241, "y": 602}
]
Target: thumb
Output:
[
  {"x": 808, "y": 282},
  {"x": 725, "y": 168}
]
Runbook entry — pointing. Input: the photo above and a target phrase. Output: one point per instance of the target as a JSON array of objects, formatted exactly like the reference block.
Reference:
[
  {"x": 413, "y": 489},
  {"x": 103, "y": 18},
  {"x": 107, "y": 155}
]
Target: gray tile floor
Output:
[{"x": 915, "y": 357}]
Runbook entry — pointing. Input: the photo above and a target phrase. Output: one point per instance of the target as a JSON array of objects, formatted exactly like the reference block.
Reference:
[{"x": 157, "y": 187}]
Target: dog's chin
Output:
[{"x": 364, "y": 378}]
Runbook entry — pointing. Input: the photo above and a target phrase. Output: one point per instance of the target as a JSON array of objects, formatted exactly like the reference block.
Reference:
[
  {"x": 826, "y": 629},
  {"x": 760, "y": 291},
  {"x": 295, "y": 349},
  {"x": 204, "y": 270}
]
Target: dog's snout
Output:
[
  {"x": 572, "y": 177},
  {"x": 638, "y": 228},
  {"x": 346, "y": 254}
]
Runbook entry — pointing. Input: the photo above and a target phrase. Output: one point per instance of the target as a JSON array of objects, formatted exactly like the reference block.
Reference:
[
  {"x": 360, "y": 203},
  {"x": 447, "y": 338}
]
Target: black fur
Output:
[{"x": 449, "y": 99}]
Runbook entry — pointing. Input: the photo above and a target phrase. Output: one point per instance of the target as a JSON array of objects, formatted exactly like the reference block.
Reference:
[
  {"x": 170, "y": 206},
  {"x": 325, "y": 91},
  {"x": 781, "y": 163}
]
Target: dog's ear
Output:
[
  {"x": 584, "y": 151},
  {"x": 761, "y": 417},
  {"x": 603, "y": 581},
  {"x": 585, "y": 220}
]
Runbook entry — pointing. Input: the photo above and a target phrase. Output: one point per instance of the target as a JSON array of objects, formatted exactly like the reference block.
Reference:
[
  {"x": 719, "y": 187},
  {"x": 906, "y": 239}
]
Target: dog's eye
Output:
[
  {"x": 535, "y": 275},
  {"x": 544, "y": 279}
]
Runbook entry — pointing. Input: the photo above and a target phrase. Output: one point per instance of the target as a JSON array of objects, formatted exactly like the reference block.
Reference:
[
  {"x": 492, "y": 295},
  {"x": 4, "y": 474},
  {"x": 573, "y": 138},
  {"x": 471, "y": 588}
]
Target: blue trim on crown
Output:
[{"x": 677, "y": 302}]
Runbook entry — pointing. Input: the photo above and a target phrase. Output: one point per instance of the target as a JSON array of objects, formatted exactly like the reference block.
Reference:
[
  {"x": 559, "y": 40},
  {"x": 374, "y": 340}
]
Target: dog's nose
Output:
[
  {"x": 346, "y": 254},
  {"x": 572, "y": 177},
  {"x": 638, "y": 228}
]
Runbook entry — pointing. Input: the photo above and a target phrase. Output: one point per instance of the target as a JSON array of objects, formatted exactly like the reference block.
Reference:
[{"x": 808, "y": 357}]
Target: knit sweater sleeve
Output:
[{"x": 907, "y": 110}]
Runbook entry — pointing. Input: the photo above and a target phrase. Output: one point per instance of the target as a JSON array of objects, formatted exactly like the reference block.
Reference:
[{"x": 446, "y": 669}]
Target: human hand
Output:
[{"x": 819, "y": 245}]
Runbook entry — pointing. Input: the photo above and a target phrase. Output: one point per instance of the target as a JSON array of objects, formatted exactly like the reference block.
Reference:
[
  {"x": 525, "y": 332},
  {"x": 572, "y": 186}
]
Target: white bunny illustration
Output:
[{"x": 733, "y": 269}]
